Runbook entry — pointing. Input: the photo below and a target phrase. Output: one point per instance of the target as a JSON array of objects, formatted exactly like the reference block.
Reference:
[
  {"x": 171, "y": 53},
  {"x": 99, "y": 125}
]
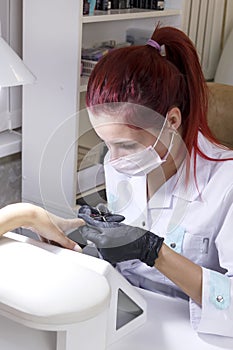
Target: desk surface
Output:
[{"x": 168, "y": 328}]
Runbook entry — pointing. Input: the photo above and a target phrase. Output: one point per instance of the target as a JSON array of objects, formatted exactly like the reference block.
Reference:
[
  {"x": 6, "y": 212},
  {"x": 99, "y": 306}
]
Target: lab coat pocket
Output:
[{"x": 196, "y": 247}]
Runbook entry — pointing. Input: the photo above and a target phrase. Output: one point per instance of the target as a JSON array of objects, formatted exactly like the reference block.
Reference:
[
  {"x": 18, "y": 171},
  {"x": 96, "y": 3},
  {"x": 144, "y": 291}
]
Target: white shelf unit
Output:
[
  {"x": 10, "y": 143},
  {"x": 108, "y": 23},
  {"x": 135, "y": 13},
  {"x": 54, "y": 31},
  {"x": 126, "y": 18},
  {"x": 10, "y": 97}
]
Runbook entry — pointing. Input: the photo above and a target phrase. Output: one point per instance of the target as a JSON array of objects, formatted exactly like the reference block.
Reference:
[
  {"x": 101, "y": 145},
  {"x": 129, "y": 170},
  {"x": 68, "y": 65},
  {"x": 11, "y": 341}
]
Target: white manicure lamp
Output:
[{"x": 13, "y": 71}]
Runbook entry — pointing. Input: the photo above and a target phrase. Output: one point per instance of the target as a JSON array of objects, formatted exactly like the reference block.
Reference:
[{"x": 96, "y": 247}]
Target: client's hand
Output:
[{"x": 49, "y": 227}]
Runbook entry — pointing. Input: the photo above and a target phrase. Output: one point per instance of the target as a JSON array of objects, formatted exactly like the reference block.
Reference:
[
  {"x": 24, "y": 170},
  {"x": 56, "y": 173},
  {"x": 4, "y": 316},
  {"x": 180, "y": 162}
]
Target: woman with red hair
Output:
[{"x": 166, "y": 174}]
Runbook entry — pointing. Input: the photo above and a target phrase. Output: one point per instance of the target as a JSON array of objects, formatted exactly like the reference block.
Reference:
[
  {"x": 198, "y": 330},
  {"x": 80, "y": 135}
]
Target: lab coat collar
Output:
[{"x": 176, "y": 185}]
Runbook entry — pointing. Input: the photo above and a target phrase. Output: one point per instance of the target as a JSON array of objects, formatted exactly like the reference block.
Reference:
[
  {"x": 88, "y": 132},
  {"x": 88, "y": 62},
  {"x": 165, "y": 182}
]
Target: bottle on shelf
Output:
[
  {"x": 115, "y": 4},
  {"x": 86, "y": 7},
  {"x": 149, "y": 4},
  {"x": 103, "y": 5},
  {"x": 89, "y": 7}
]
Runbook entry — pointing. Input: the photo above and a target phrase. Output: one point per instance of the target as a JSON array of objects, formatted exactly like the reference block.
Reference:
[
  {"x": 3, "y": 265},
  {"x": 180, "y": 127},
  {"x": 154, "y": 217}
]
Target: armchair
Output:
[{"x": 220, "y": 114}]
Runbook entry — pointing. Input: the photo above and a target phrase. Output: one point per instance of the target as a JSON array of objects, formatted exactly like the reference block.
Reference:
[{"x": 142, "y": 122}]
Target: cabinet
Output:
[{"x": 54, "y": 32}]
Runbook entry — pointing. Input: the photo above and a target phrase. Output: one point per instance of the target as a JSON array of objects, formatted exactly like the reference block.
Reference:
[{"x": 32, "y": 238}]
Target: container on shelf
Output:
[{"x": 87, "y": 67}]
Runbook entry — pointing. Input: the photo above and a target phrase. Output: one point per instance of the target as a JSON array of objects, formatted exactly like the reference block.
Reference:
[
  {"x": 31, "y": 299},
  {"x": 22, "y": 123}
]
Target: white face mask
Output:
[{"x": 142, "y": 162}]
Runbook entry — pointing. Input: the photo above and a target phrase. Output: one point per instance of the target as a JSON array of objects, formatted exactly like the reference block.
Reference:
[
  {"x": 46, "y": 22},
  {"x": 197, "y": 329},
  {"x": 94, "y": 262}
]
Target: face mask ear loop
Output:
[
  {"x": 160, "y": 133},
  {"x": 170, "y": 146}
]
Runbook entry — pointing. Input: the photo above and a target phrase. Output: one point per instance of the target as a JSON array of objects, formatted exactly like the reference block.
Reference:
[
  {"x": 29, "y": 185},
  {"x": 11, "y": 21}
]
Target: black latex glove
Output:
[
  {"x": 122, "y": 242},
  {"x": 98, "y": 216}
]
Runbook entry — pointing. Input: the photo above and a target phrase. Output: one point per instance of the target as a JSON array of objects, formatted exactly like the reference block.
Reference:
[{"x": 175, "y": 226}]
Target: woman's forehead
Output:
[
  {"x": 110, "y": 128},
  {"x": 119, "y": 133},
  {"x": 136, "y": 116}
]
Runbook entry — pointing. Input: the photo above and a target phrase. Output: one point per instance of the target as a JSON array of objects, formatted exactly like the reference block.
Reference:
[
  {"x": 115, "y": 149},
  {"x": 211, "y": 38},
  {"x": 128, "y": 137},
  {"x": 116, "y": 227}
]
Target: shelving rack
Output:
[{"x": 135, "y": 13}]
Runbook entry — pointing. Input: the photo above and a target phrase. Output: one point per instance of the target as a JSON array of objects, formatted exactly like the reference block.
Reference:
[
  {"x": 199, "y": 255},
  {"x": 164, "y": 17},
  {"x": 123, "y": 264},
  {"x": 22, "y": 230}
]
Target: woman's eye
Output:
[
  {"x": 123, "y": 146},
  {"x": 128, "y": 146}
]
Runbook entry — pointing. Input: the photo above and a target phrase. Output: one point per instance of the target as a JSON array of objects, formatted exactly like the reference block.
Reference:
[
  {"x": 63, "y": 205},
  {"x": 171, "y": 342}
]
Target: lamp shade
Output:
[{"x": 13, "y": 71}]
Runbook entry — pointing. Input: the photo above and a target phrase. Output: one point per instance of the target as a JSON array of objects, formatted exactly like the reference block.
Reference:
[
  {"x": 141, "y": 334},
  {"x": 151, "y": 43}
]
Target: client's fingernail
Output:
[{"x": 77, "y": 248}]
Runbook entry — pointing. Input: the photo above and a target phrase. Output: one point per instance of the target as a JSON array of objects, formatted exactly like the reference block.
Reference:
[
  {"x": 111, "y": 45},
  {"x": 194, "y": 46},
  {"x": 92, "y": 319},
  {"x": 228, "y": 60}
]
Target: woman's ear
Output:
[{"x": 174, "y": 118}]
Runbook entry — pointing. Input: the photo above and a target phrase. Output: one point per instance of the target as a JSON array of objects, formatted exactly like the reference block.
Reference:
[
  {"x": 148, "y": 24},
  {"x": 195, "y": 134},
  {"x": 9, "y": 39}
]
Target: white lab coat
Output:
[{"x": 196, "y": 222}]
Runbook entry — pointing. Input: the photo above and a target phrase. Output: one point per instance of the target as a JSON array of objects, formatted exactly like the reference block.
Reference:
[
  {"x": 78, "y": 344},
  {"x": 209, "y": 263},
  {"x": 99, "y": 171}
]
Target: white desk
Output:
[
  {"x": 163, "y": 325},
  {"x": 168, "y": 328}
]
